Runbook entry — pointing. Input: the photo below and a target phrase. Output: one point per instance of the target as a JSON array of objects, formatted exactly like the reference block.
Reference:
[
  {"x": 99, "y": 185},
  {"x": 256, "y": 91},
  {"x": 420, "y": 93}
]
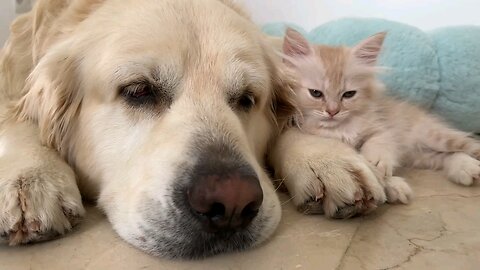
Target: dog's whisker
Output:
[
  {"x": 287, "y": 201},
  {"x": 279, "y": 185}
]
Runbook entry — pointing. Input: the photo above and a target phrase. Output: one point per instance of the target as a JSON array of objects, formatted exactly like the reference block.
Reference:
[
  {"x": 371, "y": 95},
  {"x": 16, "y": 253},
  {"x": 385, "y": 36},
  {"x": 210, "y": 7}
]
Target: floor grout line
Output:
[{"x": 342, "y": 259}]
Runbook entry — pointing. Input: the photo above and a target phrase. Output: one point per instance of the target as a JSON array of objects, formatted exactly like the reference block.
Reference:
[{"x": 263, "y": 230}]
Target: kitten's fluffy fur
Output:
[{"x": 340, "y": 97}]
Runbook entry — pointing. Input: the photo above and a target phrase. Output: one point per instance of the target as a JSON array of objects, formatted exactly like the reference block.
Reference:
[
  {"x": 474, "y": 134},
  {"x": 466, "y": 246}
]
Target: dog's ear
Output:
[
  {"x": 284, "y": 104},
  {"x": 284, "y": 83},
  {"x": 236, "y": 7},
  {"x": 52, "y": 98}
]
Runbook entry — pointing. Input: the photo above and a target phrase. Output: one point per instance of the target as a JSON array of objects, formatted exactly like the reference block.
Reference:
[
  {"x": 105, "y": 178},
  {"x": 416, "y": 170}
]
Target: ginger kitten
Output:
[{"x": 339, "y": 97}]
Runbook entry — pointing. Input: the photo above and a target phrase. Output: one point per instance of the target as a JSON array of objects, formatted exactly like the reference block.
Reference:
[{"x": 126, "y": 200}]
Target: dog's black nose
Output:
[{"x": 226, "y": 202}]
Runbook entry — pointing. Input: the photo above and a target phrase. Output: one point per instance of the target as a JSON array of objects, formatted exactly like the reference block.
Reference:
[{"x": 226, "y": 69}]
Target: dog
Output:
[{"x": 166, "y": 113}]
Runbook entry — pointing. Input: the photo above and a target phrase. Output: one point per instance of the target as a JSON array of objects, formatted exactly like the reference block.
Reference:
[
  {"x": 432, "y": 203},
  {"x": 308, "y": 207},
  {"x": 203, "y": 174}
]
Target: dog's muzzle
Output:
[
  {"x": 225, "y": 194},
  {"x": 217, "y": 201}
]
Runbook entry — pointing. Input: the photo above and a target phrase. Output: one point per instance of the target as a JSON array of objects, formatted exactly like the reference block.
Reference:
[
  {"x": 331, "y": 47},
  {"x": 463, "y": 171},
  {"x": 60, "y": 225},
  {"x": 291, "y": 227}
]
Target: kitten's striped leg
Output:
[
  {"x": 441, "y": 138},
  {"x": 459, "y": 167},
  {"x": 431, "y": 160}
]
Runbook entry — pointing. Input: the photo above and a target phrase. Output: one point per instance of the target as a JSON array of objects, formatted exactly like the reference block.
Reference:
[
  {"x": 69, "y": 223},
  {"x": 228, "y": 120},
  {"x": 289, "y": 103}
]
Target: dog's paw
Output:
[
  {"x": 462, "y": 169},
  {"x": 339, "y": 183},
  {"x": 398, "y": 191},
  {"x": 337, "y": 188},
  {"x": 38, "y": 205}
]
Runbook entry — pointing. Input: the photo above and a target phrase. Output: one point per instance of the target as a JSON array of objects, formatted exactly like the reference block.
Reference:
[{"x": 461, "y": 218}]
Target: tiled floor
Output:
[{"x": 440, "y": 229}]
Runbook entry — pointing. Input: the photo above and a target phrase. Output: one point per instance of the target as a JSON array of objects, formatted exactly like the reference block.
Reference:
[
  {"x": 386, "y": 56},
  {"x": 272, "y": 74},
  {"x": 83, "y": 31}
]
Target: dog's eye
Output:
[
  {"x": 349, "y": 94},
  {"x": 137, "y": 94},
  {"x": 246, "y": 101}
]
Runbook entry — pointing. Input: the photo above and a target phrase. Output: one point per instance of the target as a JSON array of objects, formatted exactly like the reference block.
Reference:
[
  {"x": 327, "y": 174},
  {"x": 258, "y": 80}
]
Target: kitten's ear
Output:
[
  {"x": 369, "y": 49},
  {"x": 295, "y": 44}
]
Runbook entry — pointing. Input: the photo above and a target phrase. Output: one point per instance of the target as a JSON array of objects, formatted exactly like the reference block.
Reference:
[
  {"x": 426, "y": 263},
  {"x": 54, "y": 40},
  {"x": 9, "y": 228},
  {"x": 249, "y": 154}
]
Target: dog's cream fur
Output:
[{"x": 59, "y": 77}]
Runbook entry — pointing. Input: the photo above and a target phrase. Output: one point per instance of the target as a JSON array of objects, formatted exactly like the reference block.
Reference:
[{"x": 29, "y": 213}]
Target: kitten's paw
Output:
[
  {"x": 384, "y": 167},
  {"x": 398, "y": 191},
  {"x": 476, "y": 154},
  {"x": 462, "y": 169},
  {"x": 382, "y": 162},
  {"x": 38, "y": 205}
]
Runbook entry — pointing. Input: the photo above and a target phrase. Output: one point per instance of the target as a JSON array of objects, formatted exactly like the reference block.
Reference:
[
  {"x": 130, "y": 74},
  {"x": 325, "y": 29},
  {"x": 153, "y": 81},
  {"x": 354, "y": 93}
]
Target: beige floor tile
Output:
[
  {"x": 299, "y": 243},
  {"x": 439, "y": 230}
]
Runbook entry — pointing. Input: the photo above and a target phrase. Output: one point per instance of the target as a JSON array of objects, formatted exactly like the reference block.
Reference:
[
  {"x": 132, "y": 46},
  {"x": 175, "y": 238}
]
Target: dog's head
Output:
[{"x": 166, "y": 109}]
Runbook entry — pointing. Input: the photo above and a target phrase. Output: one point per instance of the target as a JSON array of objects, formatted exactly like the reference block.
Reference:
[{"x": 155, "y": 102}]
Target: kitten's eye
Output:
[
  {"x": 349, "y": 94},
  {"x": 139, "y": 93},
  {"x": 315, "y": 93}
]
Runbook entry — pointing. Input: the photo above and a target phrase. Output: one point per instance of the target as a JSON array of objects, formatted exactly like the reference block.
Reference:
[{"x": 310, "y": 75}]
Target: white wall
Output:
[
  {"x": 7, "y": 14},
  {"x": 426, "y": 14}
]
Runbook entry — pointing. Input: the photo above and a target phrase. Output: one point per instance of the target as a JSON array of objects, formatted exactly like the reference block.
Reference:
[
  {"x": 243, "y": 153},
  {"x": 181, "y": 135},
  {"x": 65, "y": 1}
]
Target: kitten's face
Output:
[{"x": 336, "y": 83}]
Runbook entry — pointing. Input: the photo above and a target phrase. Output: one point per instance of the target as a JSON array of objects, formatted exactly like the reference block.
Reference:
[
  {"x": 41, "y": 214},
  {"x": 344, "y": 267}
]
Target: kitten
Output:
[{"x": 339, "y": 97}]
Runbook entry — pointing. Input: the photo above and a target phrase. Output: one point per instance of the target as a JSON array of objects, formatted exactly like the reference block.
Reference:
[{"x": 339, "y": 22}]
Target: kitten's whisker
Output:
[
  {"x": 309, "y": 114},
  {"x": 310, "y": 107},
  {"x": 318, "y": 113}
]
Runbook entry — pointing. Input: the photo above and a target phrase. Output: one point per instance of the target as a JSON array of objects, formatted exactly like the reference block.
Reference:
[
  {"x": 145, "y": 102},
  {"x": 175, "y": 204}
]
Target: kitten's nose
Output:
[{"x": 333, "y": 112}]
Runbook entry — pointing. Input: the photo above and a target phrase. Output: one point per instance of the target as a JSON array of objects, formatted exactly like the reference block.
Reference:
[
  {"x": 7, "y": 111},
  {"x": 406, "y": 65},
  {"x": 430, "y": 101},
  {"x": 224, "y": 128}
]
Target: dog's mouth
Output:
[{"x": 179, "y": 234}]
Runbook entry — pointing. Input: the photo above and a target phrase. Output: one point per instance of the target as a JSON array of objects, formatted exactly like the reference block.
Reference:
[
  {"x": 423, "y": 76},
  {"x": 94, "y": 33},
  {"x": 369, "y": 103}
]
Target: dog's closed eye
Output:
[
  {"x": 243, "y": 102},
  {"x": 138, "y": 94},
  {"x": 144, "y": 94}
]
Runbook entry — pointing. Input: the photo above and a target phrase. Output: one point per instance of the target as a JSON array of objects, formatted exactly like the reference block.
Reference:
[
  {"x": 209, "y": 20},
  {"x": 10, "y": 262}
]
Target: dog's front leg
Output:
[
  {"x": 325, "y": 175},
  {"x": 39, "y": 197}
]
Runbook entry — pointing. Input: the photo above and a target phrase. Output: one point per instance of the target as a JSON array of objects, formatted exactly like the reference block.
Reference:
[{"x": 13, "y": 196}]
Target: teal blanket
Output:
[{"x": 439, "y": 70}]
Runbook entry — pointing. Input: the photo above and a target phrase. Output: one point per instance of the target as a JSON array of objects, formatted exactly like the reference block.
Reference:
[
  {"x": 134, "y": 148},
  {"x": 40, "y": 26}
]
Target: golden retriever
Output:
[{"x": 165, "y": 112}]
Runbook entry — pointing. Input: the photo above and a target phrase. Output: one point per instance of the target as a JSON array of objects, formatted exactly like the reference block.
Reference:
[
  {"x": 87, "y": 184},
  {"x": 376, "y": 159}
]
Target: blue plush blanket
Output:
[{"x": 439, "y": 70}]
